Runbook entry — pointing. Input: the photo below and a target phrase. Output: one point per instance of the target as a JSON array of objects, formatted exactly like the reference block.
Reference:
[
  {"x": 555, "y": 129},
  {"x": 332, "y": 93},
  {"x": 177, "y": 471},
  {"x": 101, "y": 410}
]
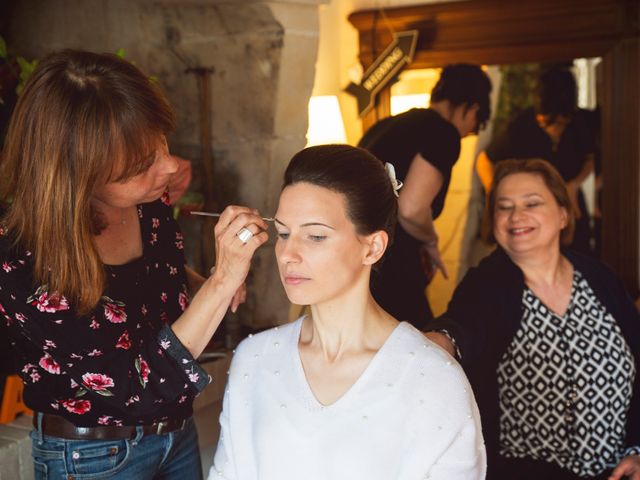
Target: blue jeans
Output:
[{"x": 170, "y": 456}]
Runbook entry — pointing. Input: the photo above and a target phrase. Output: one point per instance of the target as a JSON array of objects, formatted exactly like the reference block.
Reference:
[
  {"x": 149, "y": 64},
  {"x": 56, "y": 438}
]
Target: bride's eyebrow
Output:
[
  {"x": 313, "y": 224},
  {"x": 310, "y": 224}
]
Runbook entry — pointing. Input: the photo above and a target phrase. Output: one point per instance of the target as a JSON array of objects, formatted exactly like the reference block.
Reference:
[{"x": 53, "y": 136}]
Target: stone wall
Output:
[{"x": 263, "y": 55}]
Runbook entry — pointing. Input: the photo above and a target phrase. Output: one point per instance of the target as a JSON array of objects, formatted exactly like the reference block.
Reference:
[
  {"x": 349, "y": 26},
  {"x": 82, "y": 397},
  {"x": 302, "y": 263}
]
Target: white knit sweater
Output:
[{"x": 411, "y": 415}]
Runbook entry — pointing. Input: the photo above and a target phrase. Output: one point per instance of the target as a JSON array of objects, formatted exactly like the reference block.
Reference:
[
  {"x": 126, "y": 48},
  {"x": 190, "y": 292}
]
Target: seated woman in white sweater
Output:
[{"x": 347, "y": 392}]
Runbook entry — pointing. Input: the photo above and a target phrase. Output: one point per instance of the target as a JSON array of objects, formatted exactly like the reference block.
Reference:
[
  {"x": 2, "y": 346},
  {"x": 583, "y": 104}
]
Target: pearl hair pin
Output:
[{"x": 395, "y": 183}]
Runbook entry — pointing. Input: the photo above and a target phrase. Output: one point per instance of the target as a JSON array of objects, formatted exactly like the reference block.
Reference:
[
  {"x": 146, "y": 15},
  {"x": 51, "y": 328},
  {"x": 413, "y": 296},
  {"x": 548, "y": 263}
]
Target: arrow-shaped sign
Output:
[{"x": 398, "y": 54}]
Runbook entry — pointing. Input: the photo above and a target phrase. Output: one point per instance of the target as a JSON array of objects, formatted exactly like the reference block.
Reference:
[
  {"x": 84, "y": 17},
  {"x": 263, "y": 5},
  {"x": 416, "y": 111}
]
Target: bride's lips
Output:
[{"x": 294, "y": 279}]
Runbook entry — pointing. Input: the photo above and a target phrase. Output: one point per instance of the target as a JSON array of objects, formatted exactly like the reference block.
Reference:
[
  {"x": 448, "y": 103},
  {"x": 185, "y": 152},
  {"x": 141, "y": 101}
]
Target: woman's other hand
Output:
[
  {"x": 442, "y": 341},
  {"x": 573, "y": 188},
  {"x": 239, "y": 297},
  {"x": 180, "y": 180},
  {"x": 432, "y": 261},
  {"x": 629, "y": 467},
  {"x": 233, "y": 253}
]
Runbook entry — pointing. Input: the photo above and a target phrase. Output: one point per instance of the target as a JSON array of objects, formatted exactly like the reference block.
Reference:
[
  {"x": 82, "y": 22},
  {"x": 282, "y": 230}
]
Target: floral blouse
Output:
[{"x": 122, "y": 364}]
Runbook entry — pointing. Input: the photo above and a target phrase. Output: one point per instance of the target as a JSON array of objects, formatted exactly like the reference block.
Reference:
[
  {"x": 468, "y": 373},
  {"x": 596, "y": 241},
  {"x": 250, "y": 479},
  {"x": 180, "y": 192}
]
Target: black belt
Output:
[{"x": 56, "y": 426}]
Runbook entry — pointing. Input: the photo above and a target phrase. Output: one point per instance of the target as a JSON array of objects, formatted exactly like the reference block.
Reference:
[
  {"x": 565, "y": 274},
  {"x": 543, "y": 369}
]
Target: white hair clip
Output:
[{"x": 395, "y": 183}]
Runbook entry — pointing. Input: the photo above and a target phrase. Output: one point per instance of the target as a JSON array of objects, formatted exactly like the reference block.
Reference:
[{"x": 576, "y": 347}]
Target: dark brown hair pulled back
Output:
[{"x": 354, "y": 173}]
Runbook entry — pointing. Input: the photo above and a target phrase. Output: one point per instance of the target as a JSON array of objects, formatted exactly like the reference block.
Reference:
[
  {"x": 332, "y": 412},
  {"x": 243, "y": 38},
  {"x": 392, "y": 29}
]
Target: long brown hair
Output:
[
  {"x": 551, "y": 178},
  {"x": 82, "y": 118}
]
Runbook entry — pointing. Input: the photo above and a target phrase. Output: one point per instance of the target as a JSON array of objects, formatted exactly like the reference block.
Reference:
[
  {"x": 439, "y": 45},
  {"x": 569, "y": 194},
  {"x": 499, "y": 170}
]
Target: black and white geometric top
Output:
[{"x": 565, "y": 385}]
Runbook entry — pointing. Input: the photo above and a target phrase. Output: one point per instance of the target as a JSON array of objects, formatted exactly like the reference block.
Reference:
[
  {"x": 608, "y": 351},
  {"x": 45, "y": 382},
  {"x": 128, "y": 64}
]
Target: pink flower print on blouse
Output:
[
  {"x": 105, "y": 420},
  {"x": 49, "y": 364},
  {"x": 48, "y": 344},
  {"x": 8, "y": 266},
  {"x": 32, "y": 371},
  {"x": 143, "y": 370},
  {"x": 79, "y": 407},
  {"x": 163, "y": 297},
  {"x": 124, "y": 342},
  {"x": 4, "y": 313},
  {"x": 28, "y": 367},
  {"x": 155, "y": 222},
  {"x": 165, "y": 198},
  {"x": 98, "y": 382},
  {"x": 46, "y": 302},
  {"x": 183, "y": 300},
  {"x": 179, "y": 241},
  {"x": 114, "y": 310}
]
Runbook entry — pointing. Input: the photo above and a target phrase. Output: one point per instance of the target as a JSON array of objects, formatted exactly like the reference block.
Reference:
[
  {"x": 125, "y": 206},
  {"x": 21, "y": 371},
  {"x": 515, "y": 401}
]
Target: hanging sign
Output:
[{"x": 395, "y": 57}]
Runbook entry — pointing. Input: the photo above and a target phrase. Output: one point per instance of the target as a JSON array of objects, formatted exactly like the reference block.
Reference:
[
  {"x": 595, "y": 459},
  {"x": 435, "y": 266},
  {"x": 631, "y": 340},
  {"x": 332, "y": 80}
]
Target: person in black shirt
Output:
[
  {"x": 423, "y": 145},
  {"x": 556, "y": 131}
]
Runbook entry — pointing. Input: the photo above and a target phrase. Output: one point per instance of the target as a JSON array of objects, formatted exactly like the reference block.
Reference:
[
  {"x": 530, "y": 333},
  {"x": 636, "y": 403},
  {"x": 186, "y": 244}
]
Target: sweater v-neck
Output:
[{"x": 300, "y": 377}]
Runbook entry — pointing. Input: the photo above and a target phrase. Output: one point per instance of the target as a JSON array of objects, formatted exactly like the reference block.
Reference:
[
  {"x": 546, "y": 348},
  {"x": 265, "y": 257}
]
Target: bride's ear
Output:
[{"x": 376, "y": 246}]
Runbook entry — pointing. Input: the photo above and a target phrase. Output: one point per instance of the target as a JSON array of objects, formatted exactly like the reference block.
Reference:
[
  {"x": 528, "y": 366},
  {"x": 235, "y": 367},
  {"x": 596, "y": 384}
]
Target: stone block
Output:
[
  {"x": 9, "y": 459},
  {"x": 17, "y": 433}
]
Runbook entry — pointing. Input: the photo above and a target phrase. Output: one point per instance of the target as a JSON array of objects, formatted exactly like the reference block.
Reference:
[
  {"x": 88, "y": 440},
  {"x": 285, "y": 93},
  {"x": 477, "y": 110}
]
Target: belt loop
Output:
[
  {"x": 138, "y": 437},
  {"x": 39, "y": 416}
]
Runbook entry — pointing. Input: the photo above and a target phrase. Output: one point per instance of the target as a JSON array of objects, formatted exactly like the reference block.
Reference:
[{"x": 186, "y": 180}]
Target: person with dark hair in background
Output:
[
  {"x": 423, "y": 144},
  {"x": 549, "y": 339},
  {"x": 555, "y": 130},
  {"x": 93, "y": 284},
  {"x": 346, "y": 392}
]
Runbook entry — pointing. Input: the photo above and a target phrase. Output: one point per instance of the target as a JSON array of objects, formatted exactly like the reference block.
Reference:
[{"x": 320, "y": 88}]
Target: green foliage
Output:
[
  {"x": 190, "y": 200},
  {"x": 26, "y": 69},
  {"x": 516, "y": 92}
]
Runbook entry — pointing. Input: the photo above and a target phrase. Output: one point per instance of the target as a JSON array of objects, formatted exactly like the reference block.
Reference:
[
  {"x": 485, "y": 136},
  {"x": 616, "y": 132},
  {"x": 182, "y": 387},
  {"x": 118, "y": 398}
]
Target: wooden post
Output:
[{"x": 207, "y": 240}]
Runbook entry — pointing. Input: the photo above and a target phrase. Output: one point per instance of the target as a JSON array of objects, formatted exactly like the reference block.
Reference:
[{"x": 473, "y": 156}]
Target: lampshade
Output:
[{"x": 325, "y": 121}]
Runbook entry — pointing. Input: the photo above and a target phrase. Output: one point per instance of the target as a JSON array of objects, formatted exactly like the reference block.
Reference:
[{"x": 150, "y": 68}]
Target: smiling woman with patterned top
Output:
[
  {"x": 93, "y": 284},
  {"x": 347, "y": 392},
  {"x": 549, "y": 340}
]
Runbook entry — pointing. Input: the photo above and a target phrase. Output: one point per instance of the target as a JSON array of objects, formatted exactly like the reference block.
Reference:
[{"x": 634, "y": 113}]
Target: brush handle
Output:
[{"x": 209, "y": 214}]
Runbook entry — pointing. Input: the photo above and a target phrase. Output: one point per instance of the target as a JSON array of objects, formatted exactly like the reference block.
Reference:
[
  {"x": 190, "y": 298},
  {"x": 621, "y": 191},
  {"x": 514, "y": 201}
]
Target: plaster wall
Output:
[{"x": 263, "y": 55}]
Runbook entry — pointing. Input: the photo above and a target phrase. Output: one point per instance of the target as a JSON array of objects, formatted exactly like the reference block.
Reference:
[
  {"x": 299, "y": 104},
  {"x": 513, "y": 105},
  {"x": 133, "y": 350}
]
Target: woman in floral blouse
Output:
[{"x": 93, "y": 285}]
